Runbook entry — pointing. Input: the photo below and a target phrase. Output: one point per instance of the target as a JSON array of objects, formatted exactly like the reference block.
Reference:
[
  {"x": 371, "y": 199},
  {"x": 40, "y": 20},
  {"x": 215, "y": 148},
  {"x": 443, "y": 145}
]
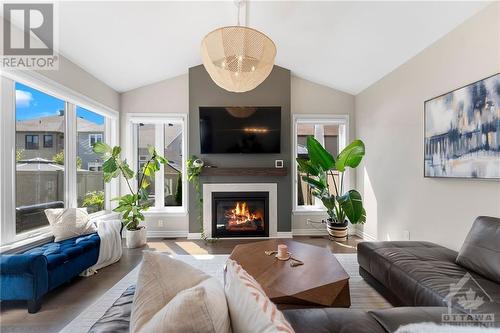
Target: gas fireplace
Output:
[{"x": 240, "y": 214}]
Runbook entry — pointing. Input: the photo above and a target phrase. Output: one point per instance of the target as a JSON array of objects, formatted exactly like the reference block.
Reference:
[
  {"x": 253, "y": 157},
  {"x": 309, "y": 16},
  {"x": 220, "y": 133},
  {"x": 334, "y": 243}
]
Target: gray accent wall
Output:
[{"x": 274, "y": 91}]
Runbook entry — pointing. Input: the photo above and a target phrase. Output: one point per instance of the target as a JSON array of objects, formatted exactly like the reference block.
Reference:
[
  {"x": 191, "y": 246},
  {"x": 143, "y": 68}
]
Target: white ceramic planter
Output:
[{"x": 135, "y": 238}]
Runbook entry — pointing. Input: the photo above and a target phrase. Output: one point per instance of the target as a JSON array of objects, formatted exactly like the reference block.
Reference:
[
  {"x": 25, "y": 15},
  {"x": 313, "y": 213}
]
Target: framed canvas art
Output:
[{"x": 462, "y": 132}]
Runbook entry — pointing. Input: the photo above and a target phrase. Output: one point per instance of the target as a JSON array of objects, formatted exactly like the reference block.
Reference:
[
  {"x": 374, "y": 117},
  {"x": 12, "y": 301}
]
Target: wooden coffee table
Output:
[{"x": 320, "y": 282}]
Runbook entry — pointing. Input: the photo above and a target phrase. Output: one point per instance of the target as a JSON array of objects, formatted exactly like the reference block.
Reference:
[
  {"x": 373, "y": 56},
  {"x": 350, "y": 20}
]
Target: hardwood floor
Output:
[{"x": 60, "y": 306}]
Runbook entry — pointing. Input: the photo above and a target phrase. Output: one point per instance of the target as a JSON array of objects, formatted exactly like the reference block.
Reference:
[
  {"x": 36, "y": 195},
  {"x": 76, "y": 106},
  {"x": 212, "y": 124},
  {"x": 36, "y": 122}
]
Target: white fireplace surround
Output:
[{"x": 271, "y": 188}]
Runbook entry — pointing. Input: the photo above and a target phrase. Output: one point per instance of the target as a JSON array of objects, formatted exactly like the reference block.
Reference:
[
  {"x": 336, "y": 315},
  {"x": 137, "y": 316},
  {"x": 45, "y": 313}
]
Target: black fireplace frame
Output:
[{"x": 238, "y": 196}]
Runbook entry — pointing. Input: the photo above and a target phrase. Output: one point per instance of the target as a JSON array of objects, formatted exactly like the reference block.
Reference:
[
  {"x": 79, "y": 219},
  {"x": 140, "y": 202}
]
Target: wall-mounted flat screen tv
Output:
[{"x": 240, "y": 130}]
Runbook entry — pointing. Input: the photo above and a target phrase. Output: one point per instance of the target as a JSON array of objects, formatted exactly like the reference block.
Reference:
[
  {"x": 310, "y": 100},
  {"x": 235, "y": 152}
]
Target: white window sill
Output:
[
  {"x": 167, "y": 211},
  {"x": 106, "y": 214},
  {"x": 41, "y": 238},
  {"x": 309, "y": 211},
  {"x": 45, "y": 235}
]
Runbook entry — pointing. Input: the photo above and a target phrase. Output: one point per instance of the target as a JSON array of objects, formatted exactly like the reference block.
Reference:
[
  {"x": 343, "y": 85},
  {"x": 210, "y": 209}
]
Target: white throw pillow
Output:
[
  {"x": 172, "y": 296},
  {"x": 249, "y": 307},
  {"x": 69, "y": 222}
]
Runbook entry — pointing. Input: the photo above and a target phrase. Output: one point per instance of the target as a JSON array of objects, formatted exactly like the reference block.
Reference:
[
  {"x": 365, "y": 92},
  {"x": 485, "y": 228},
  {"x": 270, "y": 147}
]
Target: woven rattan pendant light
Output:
[{"x": 238, "y": 58}]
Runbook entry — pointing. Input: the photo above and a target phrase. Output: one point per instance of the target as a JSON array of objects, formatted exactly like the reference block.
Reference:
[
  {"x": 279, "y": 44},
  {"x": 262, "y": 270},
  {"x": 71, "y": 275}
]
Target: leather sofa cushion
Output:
[
  {"x": 420, "y": 274},
  {"x": 391, "y": 319},
  {"x": 332, "y": 320},
  {"x": 58, "y": 253},
  {"x": 117, "y": 318},
  {"x": 481, "y": 249},
  {"x": 324, "y": 320}
]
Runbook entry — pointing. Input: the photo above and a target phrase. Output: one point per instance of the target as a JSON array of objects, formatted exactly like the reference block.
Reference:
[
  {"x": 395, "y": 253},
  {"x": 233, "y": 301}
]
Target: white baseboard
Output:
[
  {"x": 166, "y": 233},
  {"x": 194, "y": 235},
  {"x": 284, "y": 234},
  {"x": 280, "y": 234},
  {"x": 364, "y": 235},
  {"x": 309, "y": 232}
]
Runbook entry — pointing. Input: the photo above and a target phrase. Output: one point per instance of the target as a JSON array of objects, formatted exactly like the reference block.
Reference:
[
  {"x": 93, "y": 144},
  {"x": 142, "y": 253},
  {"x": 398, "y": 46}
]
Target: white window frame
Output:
[
  {"x": 95, "y": 136},
  {"x": 343, "y": 122},
  {"x": 159, "y": 120},
  {"x": 8, "y": 236}
]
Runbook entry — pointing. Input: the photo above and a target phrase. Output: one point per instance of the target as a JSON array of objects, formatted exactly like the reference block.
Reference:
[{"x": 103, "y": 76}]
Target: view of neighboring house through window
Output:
[
  {"x": 328, "y": 135},
  {"x": 90, "y": 181},
  {"x": 166, "y": 134},
  {"x": 94, "y": 137},
  {"x": 173, "y": 171},
  {"x": 39, "y": 168},
  {"x": 48, "y": 141},
  {"x": 145, "y": 138},
  {"x": 31, "y": 141}
]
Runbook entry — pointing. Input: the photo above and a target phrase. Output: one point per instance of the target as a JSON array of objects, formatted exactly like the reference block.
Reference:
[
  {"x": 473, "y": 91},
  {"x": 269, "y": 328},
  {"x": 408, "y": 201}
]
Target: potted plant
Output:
[
  {"x": 132, "y": 205},
  {"x": 194, "y": 167},
  {"x": 341, "y": 206}
]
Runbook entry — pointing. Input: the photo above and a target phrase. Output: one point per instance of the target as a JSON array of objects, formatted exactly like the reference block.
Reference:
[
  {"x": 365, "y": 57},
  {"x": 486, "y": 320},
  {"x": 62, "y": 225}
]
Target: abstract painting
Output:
[{"x": 462, "y": 132}]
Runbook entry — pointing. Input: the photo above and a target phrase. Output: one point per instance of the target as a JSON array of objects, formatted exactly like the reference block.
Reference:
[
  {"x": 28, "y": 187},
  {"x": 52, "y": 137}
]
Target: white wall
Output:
[
  {"x": 389, "y": 118},
  {"x": 73, "y": 77},
  {"x": 311, "y": 98},
  {"x": 77, "y": 79},
  {"x": 168, "y": 96}
]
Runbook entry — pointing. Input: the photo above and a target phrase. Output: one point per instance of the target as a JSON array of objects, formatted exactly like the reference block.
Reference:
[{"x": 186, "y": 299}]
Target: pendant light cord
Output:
[
  {"x": 239, "y": 7},
  {"x": 239, "y": 4}
]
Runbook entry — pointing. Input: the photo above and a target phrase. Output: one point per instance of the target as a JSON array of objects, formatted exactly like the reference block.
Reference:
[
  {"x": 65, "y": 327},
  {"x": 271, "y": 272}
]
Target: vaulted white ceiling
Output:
[{"x": 344, "y": 45}]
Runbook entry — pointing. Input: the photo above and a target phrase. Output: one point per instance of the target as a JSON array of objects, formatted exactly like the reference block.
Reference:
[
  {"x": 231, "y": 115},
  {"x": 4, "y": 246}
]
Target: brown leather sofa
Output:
[{"x": 414, "y": 276}]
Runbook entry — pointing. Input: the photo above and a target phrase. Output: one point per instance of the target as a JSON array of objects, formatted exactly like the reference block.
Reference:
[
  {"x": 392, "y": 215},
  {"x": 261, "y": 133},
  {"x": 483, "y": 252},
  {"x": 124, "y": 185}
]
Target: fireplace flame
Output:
[{"x": 241, "y": 214}]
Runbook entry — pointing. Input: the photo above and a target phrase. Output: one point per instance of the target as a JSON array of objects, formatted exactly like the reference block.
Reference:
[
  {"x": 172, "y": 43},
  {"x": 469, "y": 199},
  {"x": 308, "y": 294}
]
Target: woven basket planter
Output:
[{"x": 337, "y": 231}]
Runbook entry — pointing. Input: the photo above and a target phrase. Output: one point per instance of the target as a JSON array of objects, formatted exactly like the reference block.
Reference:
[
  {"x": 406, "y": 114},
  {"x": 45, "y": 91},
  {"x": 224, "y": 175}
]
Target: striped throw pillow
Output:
[{"x": 249, "y": 307}]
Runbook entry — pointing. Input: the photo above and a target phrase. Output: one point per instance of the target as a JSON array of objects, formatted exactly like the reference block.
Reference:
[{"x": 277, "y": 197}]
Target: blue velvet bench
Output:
[{"x": 33, "y": 273}]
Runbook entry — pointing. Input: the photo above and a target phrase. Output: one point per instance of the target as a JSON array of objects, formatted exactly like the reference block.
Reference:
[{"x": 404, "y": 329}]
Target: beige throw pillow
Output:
[
  {"x": 172, "y": 296},
  {"x": 249, "y": 307},
  {"x": 69, "y": 222}
]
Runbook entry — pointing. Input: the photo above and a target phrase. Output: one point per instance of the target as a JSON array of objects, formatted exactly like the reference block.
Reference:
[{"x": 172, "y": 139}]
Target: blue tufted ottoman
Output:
[{"x": 30, "y": 275}]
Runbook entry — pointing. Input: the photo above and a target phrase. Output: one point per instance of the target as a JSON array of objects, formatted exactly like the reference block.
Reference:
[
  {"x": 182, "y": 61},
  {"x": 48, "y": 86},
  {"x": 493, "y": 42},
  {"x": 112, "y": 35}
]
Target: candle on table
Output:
[{"x": 282, "y": 251}]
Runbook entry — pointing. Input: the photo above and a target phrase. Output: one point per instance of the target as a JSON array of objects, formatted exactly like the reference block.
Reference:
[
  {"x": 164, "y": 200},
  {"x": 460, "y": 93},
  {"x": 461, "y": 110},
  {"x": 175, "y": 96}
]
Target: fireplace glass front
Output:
[{"x": 240, "y": 214}]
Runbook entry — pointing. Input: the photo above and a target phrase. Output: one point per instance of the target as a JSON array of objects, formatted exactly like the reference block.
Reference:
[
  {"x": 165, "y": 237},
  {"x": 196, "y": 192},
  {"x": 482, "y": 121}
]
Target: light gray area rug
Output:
[{"x": 363, "y": 296}]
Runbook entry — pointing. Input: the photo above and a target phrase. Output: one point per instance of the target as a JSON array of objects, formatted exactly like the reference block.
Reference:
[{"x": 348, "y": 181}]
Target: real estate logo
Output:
[
  {"x": 468, "y": 296},
  {"x": 29, "y": 36}
]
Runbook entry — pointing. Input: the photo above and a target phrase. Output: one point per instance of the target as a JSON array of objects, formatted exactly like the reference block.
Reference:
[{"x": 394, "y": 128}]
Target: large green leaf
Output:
[
  {"x": 162, "y": 159},
  {"x": 143, "y": 194},
  {"x": 152, "y": 151},
  {"x": 307, "y": 167},
  {"x": 127, "y": 172},
  {"x": 352, "y": 204},
  {"x": 315, "y": 183},
  {"x": 362, "y": 219},
  {"x": 145, "y": 183},
  {"x": 350, "y": 156},
  {"x": 116, "y": 151},
  {"x": 101, "y": 148},
  {"x": 128, "y": 199},
  {"x": 109, "y": 166},
  {"x": 121, "y": 209},
  {"x": 318, "y": 155},
  {"x": 328, "y": 201}
]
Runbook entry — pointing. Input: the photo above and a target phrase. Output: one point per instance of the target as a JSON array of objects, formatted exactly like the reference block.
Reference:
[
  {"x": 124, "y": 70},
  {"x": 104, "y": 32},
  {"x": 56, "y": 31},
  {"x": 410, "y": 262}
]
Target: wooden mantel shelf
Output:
[{"x": 245, "y": 172}]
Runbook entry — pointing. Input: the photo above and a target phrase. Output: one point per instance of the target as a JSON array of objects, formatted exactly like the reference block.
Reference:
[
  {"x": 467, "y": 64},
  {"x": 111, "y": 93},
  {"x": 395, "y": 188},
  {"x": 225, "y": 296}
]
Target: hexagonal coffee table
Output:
[{"x": 320, "y": 282}]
